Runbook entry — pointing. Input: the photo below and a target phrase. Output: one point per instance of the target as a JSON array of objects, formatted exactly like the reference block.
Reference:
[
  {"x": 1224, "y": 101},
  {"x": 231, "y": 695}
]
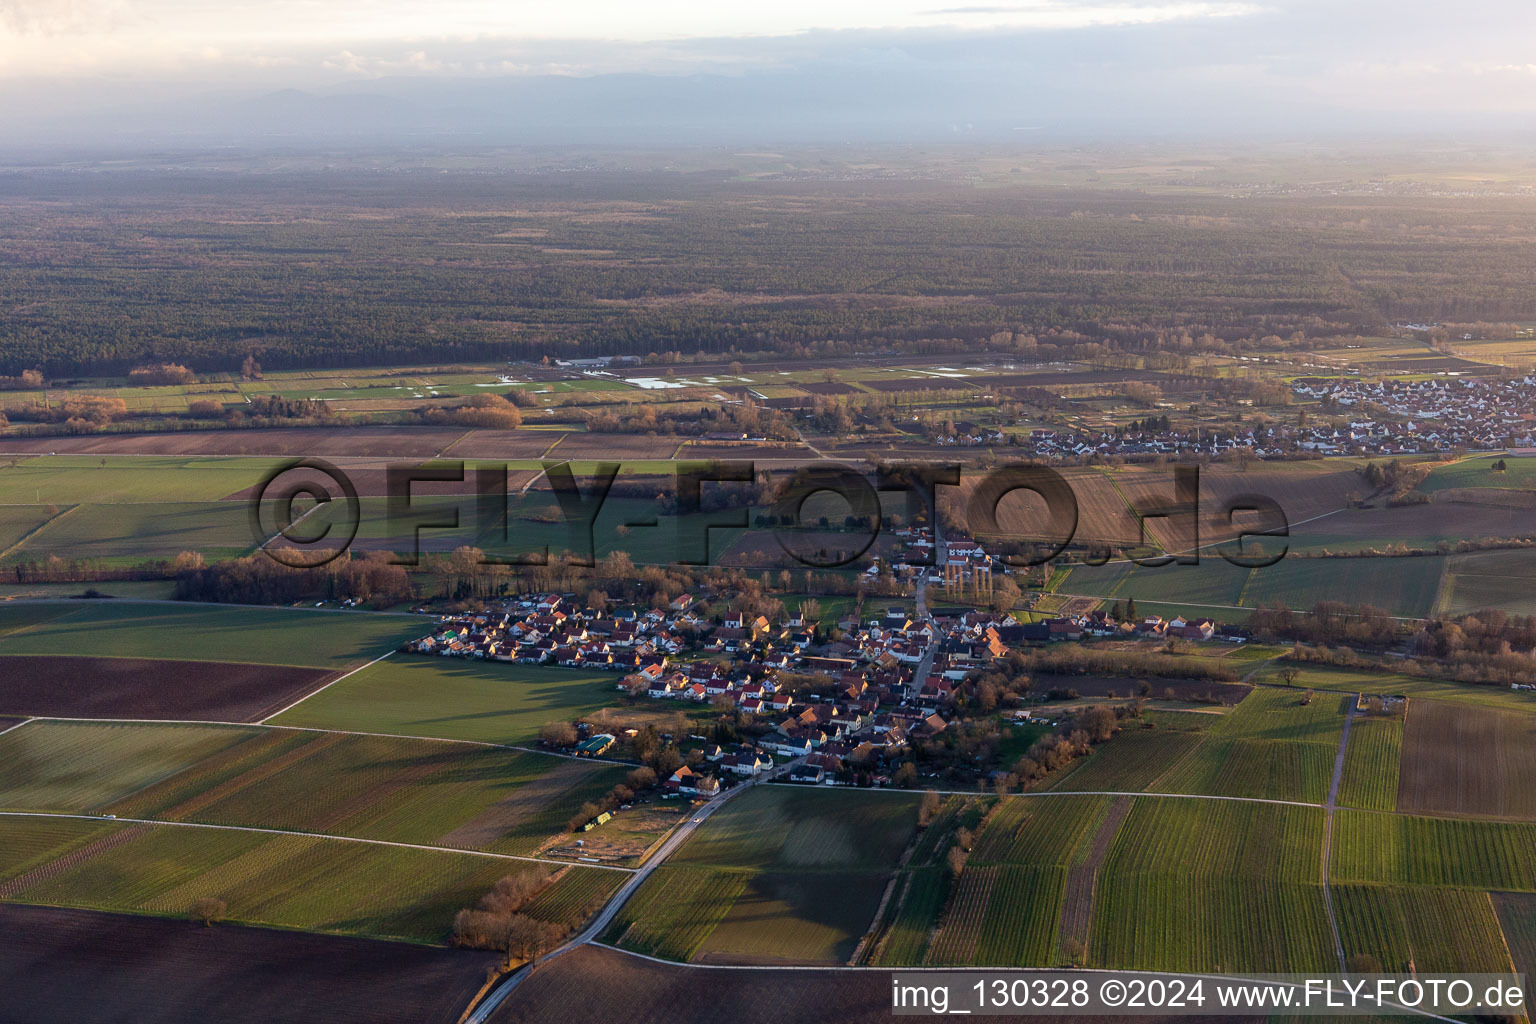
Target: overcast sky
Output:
[{"x": 1166, "y": 64}]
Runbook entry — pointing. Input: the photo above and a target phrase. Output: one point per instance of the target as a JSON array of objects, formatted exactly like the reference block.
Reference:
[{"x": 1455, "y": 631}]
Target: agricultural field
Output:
[
  {"x": 307, "y": 883},
  {"x": 1133, "y": 761},
  {"x": 1459, "y": 759},
  {"x": 167, "y": 972},
  {"x": 451, "y": 698},
  {"x": 1348, "y": 680},
  {"x": 812, "y": 861},
  {"x": 140, "y": 531},
  {"x": 1517, "y": 917},
  {"x": 1399, "y": 586},
  {"x": 1405, "y": 850},
  {"x": 379, "y": 787},
  {"x": 1421, "y": 928},
  {"x": 1492, "y": 579},
  {"x": 1402, "y": 586},
  {"x": 1518, "y": 474},
  {"x": 85, "y": 766},
  {"x": 587, "y": 983},
  {"x": 80, "y": 687},
  {"x": 107, "y": 479},
  {"x": 574, "y": 896},
  {"x": 1271, "y": 746},
  {"x": 675, "y": 911},
  {"x": 17, "y": 521},
  {"x": 267, "y": 636},
  {"x": 1371, "y": 763},
  {"x": 1212, "y": 885}
]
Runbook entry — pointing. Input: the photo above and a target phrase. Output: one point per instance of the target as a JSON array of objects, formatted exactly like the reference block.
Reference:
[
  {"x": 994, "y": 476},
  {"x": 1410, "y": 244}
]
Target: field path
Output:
[
  {"x": 139, "y": 823},
  {"x": 481, "y": 1011},
  {"x": 1328, "y": 809},
  {"x": 1083, "y": 878},
  {"x": 321, "y": 689}
]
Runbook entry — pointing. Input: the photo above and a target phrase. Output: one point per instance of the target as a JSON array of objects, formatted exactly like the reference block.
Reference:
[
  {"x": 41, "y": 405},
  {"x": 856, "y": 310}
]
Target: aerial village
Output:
[{"x": 830, "y": 702}]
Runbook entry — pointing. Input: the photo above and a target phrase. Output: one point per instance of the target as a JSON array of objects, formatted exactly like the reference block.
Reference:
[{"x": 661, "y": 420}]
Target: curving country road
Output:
[{"x": 498, "y": 994}]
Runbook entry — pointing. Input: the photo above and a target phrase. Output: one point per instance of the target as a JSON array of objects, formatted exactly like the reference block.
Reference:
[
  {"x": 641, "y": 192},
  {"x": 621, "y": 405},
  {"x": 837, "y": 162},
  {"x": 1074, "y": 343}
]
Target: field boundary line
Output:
[
  {"x": 1332, "y": 805},
  {"x": 1094, "y": 792},
  {"x": 39, "y": 528},
  {"x": 211, "y": 604},
  {"x": 327, "y": 686},
  {"x": 340, "y": 732},
  {"x": 313, "y": 835},
  {"x": 13, "y": 728}
]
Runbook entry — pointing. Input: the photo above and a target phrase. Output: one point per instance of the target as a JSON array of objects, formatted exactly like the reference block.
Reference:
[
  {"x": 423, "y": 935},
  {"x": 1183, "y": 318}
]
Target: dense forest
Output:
[{"x": 104, "y": 272}]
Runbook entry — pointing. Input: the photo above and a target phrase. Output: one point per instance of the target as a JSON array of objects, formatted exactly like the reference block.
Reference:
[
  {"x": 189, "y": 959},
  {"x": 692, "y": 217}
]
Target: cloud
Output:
[{"x": 58, "y": 17}]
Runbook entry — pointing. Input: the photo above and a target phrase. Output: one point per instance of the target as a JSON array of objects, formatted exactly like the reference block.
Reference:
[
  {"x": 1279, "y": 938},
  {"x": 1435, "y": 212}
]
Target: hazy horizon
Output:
[{"x": 108, "y": 73}]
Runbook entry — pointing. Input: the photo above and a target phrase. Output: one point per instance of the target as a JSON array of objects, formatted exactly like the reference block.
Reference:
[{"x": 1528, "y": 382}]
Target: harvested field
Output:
[
  {"x": 65, "y": 686},
  {"x": 748, "y": 452},
  {"x": 619, "y": 447},
  {"x": 503, "y": 444},
  {"x": 325, "y": 442},
  {"x": 1459, "y": 759},
  {"x": 150, "y": 971},
  {"x": 829, "y": 387},
  {"x": 921, "y": 384}
]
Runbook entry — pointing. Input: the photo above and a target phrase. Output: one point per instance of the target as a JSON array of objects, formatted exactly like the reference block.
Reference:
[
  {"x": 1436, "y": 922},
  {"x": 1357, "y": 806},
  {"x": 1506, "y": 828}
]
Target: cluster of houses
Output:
[
  {"x": 835, "y": 703},
  {"x": 553, "y": 630},
  {"x": 1397, "y": 416},
  {"x": 1426, "y": 415}
]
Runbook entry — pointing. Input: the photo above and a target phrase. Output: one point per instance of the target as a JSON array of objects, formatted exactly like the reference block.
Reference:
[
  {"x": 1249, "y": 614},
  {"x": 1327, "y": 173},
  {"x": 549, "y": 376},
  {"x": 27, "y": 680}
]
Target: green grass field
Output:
[
  {"x": 268, "y": 636},
  {"x": 16, "y": 521},
  {"x": 1479, "y": 472},
  {"x": 1328, "y": 677},
  {"x": 1400, "y": 586},
  {"x": 1492, "y": 579},
  {"x": 72, "y": 479},
  {"x": 452, "y": 698},
  {"x": 137, "y": 532},
  {"x": 675, "y": 911},
  {"x": 787, "y": 828}
]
